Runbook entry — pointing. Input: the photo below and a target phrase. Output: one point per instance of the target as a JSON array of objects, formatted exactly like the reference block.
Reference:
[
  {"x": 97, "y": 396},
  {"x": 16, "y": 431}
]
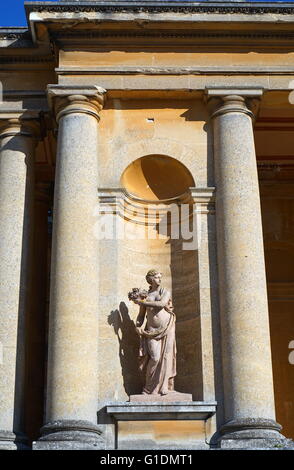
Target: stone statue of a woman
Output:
[{"x": 156, "y": 327}]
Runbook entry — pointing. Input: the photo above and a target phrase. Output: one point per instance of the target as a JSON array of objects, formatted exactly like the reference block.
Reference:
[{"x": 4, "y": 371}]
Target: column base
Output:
[
  {"x": 70, "y": 435},
  {"x": 252, "y": 433},
  {"x": 13, "y": 441}
]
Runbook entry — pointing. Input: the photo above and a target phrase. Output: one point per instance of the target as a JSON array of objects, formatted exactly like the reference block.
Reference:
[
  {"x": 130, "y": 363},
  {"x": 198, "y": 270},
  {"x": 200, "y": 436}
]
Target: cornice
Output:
[
  {"x": 180, "y": 34},
  {"x": 23, "y": 38},
  {"x": 136, "y": 12},
  {"x": 14, "y": 33},
  {"x": 161, "y": 70},
  {"x": 162, "y": 7},
  {"x": 15, "y": 38}
]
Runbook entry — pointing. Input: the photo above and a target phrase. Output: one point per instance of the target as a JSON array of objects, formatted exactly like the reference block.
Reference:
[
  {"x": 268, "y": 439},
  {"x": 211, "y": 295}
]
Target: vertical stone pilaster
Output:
[
  {"x": 18, "y": 137},
  {"x": 246, "y": 352},
  {"x": 72, "y": 376}
]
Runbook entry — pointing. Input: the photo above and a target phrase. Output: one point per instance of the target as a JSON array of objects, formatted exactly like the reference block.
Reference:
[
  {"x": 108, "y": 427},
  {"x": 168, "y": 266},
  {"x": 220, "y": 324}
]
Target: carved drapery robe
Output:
[{"x": 157, "y": 354}]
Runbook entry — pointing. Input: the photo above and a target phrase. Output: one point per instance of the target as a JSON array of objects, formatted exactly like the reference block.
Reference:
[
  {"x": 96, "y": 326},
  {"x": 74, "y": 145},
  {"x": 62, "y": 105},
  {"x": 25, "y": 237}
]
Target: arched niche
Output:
[
  {"x": 156, "y": 178},
  {"x": 149, "y": 181}
]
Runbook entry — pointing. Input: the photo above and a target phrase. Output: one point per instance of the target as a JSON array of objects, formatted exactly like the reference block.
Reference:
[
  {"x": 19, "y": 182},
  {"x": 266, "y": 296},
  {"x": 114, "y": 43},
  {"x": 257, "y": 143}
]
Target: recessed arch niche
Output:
[
  {"x": 156, "y": 178},
  {"x": 153, "y": 180}
]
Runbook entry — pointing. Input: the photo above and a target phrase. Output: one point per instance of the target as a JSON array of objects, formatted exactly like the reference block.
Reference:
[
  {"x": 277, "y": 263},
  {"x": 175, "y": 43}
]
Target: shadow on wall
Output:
[
  {"x": 185, "y": 292},
  {"x": 128, "y": 339},
  {"x": 185, "y": 295}
]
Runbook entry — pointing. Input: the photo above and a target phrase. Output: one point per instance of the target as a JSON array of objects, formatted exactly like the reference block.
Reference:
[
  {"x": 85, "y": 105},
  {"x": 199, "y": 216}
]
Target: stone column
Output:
[
  {"x": 72, "y": 375},
  {"x": 248, "y": 382},
  {"x": 17, "y": 145}
]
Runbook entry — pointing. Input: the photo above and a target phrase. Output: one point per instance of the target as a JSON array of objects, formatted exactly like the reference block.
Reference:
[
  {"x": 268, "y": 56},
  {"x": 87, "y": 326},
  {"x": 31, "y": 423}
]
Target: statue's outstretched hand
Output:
[{"x": 138, "y": 330}]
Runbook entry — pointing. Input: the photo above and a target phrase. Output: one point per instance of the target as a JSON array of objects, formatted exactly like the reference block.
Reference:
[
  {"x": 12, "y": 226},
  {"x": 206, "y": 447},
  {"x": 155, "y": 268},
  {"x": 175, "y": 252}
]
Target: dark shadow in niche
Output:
[
  {"x": 215, "y": 326},
  {"x": 185, "y": 296},
  {"x": 128, "y": 339},
  {"x": 188, "y": 331},
  {"x": 37, "y": 313},
  {"x": 210, "y": 159}
]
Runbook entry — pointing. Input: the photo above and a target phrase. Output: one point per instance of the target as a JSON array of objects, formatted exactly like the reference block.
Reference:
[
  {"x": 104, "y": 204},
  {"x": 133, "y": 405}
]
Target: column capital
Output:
[
  {"x": 26, "y": 125},
  {"x": 225, "y": 100},
  {"x": 67, "y": 99}
]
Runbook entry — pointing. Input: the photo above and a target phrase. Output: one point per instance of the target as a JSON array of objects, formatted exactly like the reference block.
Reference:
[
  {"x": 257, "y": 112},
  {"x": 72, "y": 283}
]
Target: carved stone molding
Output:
[
  {"x": 116, "y": 201},
  {"x": 205, "y": 70},
  {"x": 178, "y": 410},
  {"x": 173, "y": 34},
  {"x": 18, "y": 126},
  {"x": 74, "y": 99},
  {"x": 228, "y": 100},
  {"x": 161, "y": 7}
]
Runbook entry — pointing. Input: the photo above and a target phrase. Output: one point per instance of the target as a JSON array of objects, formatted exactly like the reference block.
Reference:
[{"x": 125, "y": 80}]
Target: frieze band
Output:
[{"x": 164, "y": 8}]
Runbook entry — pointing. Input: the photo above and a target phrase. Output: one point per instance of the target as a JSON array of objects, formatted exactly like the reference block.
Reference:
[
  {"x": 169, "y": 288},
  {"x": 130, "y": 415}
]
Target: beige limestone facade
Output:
[{"x": 112, "y": 115}]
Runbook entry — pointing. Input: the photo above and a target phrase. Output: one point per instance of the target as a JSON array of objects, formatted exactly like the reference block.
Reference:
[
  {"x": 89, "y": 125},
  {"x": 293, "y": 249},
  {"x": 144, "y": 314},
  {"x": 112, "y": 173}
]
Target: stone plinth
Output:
[
  {"x": 162, "y": 424},
  {"x": 171, "y": 397},
  {"x": 159, "y": 410}
]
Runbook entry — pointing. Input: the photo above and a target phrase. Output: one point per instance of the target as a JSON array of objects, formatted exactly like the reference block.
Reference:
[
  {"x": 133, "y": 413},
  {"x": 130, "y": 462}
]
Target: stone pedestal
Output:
[
  {"x": 162, "y": 424},
  {"x": 170, "y": 397},
  {"x": 246, "y": 351},
  {"x": 72, "y": 378},
  {"x": 18, "y": 139}
]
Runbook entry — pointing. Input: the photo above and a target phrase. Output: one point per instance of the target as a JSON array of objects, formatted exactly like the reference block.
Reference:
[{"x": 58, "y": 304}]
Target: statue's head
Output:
[{"x": 153, "y": 276}]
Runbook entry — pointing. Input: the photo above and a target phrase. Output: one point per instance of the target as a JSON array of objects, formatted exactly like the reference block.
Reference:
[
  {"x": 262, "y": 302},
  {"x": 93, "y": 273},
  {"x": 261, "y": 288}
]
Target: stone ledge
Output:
[
  {"x": 175, "y": 6},
  {"x": 136, "y": 411},
  {"x": 171, "y": 397}
]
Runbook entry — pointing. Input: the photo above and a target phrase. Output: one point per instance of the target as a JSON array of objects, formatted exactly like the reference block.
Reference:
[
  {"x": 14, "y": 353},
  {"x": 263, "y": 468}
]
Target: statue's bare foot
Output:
[{"x": 164, "y": 392}]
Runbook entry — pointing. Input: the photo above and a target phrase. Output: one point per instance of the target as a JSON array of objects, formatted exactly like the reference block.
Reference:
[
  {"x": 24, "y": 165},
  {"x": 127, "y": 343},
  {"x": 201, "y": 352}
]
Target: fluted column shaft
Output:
[
  {"x": 72, "y": 378},
  {"x": 17, "y": 141},
  {"x": 246, "y": 350}
]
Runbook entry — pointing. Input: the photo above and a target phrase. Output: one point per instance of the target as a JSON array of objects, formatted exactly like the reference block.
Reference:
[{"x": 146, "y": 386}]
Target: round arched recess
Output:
[{"x": 156, "y": 177}]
